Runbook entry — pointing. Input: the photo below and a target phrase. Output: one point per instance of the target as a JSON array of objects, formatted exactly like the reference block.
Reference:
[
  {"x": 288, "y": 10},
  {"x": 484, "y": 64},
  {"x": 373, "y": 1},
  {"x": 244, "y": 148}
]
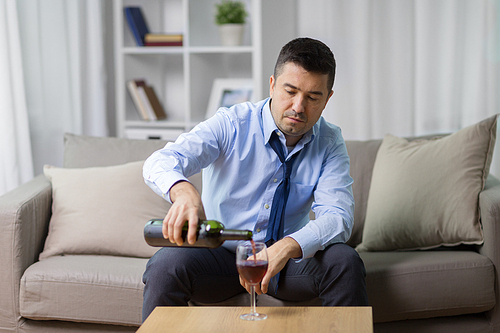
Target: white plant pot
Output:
[{"x": 231, "y": 34}]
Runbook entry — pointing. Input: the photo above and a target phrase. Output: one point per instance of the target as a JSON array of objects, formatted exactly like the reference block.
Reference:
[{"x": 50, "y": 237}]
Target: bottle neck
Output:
[{"x": 229, "y": 234}]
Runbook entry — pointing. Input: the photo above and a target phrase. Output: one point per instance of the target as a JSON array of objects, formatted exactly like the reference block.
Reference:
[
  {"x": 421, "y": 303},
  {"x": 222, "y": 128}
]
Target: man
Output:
[{"x": 242, "y": 173}]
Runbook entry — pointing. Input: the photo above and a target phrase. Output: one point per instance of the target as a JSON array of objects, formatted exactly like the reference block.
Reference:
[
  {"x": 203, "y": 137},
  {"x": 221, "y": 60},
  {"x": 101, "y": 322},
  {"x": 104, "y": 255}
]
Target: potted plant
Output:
[{"x": 230, "y": 17}]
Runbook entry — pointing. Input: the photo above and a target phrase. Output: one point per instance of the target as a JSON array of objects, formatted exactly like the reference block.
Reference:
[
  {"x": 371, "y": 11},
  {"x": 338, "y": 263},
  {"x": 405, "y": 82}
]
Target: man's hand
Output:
[
  {"x": 187, "y": 206},
  {"x": 278, "y": 255}
]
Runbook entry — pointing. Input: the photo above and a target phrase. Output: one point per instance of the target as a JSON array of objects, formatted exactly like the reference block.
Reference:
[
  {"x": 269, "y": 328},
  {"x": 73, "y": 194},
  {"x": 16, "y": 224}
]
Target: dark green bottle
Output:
[{"x": 210, "y": 234}]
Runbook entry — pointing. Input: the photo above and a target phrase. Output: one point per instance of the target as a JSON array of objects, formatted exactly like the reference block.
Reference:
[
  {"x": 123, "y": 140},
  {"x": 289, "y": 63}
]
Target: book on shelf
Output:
[
  {"x": 133, "y": 90},
  {"x": 139, "y": 27},
  {"x": 162, "y": 43},
  {"x": 150, "y": 115},
  {"x": 160, "y": 38},
  {"x": 137, "y": 24},
  {"x": 155, "y": 103},
  {"x": 145, "y": 100}
]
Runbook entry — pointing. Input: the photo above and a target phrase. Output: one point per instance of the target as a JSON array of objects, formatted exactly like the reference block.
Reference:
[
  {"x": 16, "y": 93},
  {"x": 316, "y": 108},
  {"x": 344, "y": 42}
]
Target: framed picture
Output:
[{"x": 227, "y": 92}]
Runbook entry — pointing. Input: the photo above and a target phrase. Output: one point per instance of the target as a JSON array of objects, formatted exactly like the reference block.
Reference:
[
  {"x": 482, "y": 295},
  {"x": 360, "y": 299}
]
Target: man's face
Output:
[{"x": 298, "y": 99}]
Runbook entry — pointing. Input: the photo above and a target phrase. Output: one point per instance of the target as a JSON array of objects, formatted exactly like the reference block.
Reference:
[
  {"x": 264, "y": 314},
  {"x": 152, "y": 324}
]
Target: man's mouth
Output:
[
  {"x": 294, "y": 116},
  {"x": 295, "y": 120}
]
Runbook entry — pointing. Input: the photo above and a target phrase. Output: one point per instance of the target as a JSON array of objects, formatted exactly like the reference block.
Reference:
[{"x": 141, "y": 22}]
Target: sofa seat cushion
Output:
[
  {"x": 85, "y": 288},
  {"x": 426, "y": 284}
]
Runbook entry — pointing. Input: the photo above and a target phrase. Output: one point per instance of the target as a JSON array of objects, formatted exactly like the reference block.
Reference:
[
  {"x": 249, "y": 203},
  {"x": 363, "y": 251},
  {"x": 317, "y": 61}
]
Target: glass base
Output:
[{"x": 253, "y": 316}]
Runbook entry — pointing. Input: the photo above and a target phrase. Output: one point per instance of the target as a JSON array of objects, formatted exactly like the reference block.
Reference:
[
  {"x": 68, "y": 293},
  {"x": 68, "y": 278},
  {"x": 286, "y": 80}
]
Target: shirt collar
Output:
[{"x": 269, "y": 126}]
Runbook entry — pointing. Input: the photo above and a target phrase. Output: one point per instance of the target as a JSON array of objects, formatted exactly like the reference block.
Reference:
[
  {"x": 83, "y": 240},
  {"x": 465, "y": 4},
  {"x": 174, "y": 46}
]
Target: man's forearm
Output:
[
  {"x": 279, "y": 254},
  {"x": 291, "y": 248}
]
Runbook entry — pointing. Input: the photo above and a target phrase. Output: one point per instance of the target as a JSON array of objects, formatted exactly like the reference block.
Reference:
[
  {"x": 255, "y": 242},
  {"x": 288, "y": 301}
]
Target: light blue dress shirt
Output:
[{"x": 241, "y": 172}]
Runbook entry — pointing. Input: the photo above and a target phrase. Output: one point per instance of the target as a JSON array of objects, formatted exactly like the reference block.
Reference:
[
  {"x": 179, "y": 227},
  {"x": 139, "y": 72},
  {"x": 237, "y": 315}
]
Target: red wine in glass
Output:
[
  {"x": 252, "y": 262},
  {"x": 253, "y": 270}
]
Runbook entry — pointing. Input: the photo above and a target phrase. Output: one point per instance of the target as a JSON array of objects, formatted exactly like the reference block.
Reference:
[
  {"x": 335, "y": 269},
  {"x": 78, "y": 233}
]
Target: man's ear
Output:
[
  {"x": 329, "y": 95},
  {"x": 272, "y": 82}
]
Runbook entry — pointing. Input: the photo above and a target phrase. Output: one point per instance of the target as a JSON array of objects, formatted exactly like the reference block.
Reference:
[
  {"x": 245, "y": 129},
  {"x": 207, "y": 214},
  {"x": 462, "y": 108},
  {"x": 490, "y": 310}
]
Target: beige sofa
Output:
[{"x": 438, "y": 290}]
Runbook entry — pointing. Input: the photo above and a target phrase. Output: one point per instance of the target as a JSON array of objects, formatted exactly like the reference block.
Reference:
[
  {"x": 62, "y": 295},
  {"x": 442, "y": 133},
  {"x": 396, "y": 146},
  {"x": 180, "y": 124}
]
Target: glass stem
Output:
[{"x": 252, "y": 299}]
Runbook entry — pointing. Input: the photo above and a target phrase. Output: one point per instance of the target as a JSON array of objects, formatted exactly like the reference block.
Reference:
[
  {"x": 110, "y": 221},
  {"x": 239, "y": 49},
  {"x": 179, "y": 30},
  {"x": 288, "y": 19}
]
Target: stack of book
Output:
[
  {"x": 140, "y": 30},
  {"x": 163, "y": 40},
  {"x": 145, "y": 100}
]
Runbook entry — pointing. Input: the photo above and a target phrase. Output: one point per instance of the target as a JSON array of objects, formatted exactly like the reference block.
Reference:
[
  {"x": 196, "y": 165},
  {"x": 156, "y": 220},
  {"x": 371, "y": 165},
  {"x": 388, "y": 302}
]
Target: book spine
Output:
[
  {"x": 155, "y": 103},
  {"x": 163, "y": 44},
  {"x": 163, "y": 38},
  {"x": 147, "y": 104},
  {"x": 129, "y": 13},
  {"x": 134, "y": 94}
]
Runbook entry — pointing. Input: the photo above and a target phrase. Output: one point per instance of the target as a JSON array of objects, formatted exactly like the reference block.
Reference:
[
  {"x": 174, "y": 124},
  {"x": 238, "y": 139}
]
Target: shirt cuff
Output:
[
  {"x": 162, "y": 183},
  {"x": 308, "y": 242}
]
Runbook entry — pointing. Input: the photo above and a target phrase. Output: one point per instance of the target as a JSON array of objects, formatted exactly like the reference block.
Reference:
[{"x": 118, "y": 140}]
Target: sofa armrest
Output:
[
  {"x": 24, "y": 218},
  {"x": 489, "y": 205}
]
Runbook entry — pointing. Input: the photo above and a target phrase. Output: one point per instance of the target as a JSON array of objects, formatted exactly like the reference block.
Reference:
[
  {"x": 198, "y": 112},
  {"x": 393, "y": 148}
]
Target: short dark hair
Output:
[{"x": 311, "y": 54}]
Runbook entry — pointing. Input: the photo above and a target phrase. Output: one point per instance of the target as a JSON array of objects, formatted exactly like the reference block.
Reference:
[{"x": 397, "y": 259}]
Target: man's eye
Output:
[
  {"x": 290, "y": 92},
  {"x": 312, "y": 98}
]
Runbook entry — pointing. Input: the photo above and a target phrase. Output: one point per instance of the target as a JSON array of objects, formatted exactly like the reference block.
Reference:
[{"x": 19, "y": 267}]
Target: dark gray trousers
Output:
[{"x": 175, "y": 275}]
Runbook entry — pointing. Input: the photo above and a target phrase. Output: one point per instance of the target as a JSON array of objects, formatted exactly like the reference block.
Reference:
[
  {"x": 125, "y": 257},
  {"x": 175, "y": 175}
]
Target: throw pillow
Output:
[
  {"x": 425, "y": 193},
  {"x": 101, "y": 210}
]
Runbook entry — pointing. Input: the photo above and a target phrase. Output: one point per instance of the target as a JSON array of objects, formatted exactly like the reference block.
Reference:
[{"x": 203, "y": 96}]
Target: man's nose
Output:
[{"x": 299, "y": 104}]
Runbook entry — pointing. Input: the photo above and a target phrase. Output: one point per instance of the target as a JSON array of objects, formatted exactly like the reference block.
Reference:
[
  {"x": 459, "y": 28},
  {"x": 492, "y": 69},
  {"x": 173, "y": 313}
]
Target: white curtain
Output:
[
  {"x": 16, "y": 165},
  {"x": 409, "y": 67},
  {"x": 63, "y": 57}
]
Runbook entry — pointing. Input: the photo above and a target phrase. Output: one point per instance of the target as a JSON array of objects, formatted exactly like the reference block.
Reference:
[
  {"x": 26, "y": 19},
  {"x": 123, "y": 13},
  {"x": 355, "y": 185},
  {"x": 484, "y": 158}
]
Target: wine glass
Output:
[{"x": 251, "y": 262}]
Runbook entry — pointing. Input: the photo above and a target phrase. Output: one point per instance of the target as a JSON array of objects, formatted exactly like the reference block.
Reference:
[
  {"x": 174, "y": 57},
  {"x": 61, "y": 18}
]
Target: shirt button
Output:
[
  {"x": 266, "y": 206},
  {"x": 279, "y": 133},
  {"x": 258, "y": 230},
  {"x": 275, "y": 180}
]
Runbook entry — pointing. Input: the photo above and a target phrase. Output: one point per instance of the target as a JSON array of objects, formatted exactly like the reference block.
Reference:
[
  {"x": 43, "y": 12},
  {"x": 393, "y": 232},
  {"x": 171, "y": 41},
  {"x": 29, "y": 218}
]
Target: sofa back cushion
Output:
[
  {"x": 85, "y": 151},
  {"x": 82, "y": 151},
  {"x": 362, "y": 155}
]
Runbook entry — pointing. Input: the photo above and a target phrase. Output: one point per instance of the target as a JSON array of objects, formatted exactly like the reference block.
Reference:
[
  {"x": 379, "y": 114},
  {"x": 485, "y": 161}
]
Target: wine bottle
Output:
[{"x": 210, "y": 234}]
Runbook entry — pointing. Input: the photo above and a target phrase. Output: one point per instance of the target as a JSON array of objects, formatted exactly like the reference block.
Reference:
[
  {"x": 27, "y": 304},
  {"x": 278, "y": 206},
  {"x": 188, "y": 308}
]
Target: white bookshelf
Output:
[{"x": 182, "y": 76}]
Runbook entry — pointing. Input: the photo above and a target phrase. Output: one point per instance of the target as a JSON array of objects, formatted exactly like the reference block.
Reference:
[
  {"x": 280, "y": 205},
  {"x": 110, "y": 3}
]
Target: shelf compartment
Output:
[
  {"x": 165, "y": 75},
  {"x": 202, "y": 28},
  {"x": 205, "y": 67},
  {"x": 160, "y": 16}
]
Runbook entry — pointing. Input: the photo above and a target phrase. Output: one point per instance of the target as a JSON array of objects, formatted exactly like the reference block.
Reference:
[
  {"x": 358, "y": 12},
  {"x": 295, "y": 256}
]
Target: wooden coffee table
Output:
[{"x": 279, "y": 319}]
